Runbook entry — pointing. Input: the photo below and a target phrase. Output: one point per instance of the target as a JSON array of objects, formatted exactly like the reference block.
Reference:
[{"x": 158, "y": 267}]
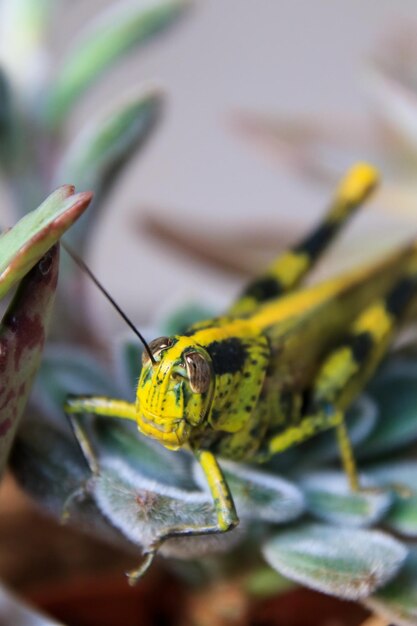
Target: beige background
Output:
[{"x": 278, "y": 57}]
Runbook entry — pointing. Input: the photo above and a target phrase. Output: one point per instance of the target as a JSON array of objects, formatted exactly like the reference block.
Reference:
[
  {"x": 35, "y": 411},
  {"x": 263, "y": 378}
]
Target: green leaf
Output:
[
  {"x": 329, "y": 497},
  {"x": 128, "y": 364},
  {"x": 402, "y": 475},
  {"x": 349, "y": 563},
  {"x": 125, "y": 25},
  {"x": 98, "y": 154},
  {"x": 50, "y": 467},
  {"x": 182, "y": 318},
  {"x": 397, "y": 601},
  {"x": 395, "y": 393},
  {"x": 23, "y": 26},
  {"x": 259, "y": 495},
  {"x": 24, "y": 244},
  {"x": 68, "y": 370},
  {"x": 22, "y": 335}
]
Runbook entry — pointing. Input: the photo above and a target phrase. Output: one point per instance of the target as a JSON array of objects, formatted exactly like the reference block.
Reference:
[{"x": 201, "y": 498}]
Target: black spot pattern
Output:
[
  {"x": 264, "y": 289},
  {"x": 228, "y": 356},
  {"x": 361, "y": 345},
  {"x": 400, "y": 296}
]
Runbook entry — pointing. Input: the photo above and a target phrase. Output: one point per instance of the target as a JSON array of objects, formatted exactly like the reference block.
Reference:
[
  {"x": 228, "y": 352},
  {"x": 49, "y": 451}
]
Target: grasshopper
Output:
[{"x": 282, "y": 365}]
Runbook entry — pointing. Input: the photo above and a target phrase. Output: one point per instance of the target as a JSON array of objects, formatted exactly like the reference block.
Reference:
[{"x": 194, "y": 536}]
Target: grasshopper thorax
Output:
[{"x": 175, "y": 392}]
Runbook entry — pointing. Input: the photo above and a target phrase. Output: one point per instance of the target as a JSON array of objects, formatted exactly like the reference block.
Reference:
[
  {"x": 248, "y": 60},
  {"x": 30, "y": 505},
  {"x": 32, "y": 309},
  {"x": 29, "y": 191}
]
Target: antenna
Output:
[{"x": 104, "y": 291}]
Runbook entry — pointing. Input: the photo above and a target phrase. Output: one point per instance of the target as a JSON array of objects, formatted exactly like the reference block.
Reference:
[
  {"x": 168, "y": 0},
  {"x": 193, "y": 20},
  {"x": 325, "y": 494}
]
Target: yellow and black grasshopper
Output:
[{"x": 282, "y": 365}]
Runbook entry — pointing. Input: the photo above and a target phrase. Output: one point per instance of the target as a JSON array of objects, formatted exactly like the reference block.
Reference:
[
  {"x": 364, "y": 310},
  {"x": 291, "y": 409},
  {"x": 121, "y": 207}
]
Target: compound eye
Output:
[
  {"x": 198, "y": 371},
  {"x": 156, "y": 346}
]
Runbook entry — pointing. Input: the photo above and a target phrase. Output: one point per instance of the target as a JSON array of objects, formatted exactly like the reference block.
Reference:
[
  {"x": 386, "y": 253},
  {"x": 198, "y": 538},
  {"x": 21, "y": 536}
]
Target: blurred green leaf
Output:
[
  {"x": 394, "y": 390},
  {"x": 125, "y": 25},
  {"x": 22, "y": 335},
  {"x": 349, "y": 563},
  {"x": 50, "y": 467},
  {"x": 402, "y": 475},
  {"x": 330, "y": 498},
  {"x": 96, "y": 157},
  {"x": 69, "y": 370},
  {"x": 22, "y": 38},
  {"x": 24, "y": 244},
  {"x": 397, "y": 601}
]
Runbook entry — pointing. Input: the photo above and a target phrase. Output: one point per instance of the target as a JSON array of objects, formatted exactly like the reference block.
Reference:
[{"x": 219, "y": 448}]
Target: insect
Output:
[{"x": 282, "y": 365}]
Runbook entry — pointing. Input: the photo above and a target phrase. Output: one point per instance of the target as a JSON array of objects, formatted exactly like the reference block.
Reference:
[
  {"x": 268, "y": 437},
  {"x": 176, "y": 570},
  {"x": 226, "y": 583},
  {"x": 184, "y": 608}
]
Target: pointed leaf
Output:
[
  {"x": 24, "y": 244},
  {"x": 120, "y": 28},
  {"x": 22, "y": 335},
  {"x": 258, "y": 495},
  {"x": 329, "y": 497},
  {"x": 98, "y": 154},
  {"x": 349, "y": 563}
]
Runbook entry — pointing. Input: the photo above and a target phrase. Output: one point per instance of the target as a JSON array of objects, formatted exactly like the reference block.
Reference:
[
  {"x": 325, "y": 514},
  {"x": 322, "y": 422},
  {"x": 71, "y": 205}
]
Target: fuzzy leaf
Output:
[
  {"x": 349, "y": 563},
  {"x": 259, "y": 495},
  {"x": 395, "y": 393},
  {"x": 24, "y": 244},
  {"x": 98, "y": 154},
  {"x": 403, "y": 475},
  {"x": 125, "y": 25},
  {"x": 329, "y": 497},
  {"x": 144, "y": 510},
  {"x": 397, "y": 601},
  {"x": 22, "y": 335}
]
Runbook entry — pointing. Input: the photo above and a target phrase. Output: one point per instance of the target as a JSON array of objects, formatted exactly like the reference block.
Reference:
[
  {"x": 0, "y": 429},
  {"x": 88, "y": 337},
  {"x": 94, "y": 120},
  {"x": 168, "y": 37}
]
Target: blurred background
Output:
[
  {"x": 266, "y": 104},
  {"x": 207, "y": 174}
]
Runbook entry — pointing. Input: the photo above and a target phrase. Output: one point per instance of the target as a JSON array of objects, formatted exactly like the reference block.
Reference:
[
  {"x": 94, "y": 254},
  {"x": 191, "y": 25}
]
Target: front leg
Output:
[
  {"x": 95, "y": 405},
  {"x": 227, "y": 518}
]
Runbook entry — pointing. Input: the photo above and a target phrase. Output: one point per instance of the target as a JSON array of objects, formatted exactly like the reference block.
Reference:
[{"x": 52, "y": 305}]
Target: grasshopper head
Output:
[{"x": 175, "y": 392}]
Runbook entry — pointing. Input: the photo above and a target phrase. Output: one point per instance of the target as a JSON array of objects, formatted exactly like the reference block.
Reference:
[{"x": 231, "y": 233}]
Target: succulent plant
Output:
[
  {"x": 297, "y": 510},
  {"x": 35, "y": 158}
]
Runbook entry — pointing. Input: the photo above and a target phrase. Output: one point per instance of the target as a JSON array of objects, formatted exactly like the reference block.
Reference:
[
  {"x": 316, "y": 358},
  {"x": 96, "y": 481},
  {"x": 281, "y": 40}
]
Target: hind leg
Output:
[
  {"x": 345, "y": 372},
  {"x": 286, "y": 272}
]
